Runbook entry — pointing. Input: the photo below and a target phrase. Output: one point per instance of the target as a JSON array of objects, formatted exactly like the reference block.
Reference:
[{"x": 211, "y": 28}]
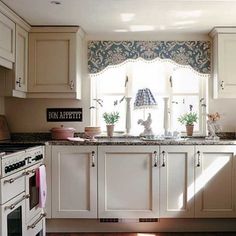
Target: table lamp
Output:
[{"x": 145, "y": 100}]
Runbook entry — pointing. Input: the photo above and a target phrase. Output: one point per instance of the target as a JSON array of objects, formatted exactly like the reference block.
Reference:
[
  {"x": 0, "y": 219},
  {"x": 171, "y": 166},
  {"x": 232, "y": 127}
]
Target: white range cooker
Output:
[{"x": 20, "y": 214}]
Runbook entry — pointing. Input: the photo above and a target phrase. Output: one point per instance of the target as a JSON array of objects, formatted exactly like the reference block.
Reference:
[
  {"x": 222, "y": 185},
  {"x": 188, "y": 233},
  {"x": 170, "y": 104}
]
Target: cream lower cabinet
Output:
[
  {"x": 128, "y": 182},
  {"x": 176, "y": 181},
  {"x": 74, "y": 182},
  {"x": 215, "y": 181}
]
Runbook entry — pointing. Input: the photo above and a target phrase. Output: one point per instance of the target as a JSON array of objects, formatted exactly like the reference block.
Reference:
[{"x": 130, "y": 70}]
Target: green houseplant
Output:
[
  {"x": 110, "y": 119},
  {"x": 188, "y": 119}
]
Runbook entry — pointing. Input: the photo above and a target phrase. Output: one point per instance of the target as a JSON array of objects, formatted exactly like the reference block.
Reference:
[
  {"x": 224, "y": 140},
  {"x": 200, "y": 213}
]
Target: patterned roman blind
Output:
[{"x": 196, "y": 54}]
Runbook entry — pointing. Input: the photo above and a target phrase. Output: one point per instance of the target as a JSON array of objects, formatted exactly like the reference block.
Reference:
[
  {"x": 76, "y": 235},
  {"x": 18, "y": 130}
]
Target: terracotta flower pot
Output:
[
  {"x": 110, "y": 130},
  {"x": 189, "y": 130}
]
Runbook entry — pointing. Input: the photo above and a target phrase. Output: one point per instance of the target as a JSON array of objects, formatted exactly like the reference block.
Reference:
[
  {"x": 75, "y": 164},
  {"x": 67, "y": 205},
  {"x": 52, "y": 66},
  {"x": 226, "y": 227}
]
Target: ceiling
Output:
[{"x": 125, "y": 16}]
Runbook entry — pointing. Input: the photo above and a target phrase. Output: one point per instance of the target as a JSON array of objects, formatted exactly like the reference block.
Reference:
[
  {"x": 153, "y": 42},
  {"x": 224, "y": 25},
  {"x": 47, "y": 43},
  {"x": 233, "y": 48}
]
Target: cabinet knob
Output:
[
  {"x": 155, "y": 158},
  {"x": 19, "y": 82},
  {"x": 198, "y": 159},
  {"x": 163, "y": 159},
  {"x": 72, "y": 84},
  {"x": 222, "y": 84},
  {"x": 93, "y": 159}
]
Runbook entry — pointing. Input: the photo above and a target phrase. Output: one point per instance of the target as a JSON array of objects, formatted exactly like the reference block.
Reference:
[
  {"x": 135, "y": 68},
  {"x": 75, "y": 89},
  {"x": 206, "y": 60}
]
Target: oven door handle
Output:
[
  {"x": 37, "y": 221},
  {"x": 13, "y": 205},
  {"x": 28, "y": 172},
  {"x": 12, "y": 180}
]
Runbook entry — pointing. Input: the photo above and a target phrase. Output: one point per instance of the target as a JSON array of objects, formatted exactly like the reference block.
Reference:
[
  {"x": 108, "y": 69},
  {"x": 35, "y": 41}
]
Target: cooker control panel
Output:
[{"x": 21, "y": 160}]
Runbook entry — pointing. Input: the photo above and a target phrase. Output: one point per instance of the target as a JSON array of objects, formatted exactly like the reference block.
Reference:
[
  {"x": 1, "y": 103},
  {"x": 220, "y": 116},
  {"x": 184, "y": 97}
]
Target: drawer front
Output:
[
  {"x": 36, "y": 226},
  {"x": 11, "y": 186}
]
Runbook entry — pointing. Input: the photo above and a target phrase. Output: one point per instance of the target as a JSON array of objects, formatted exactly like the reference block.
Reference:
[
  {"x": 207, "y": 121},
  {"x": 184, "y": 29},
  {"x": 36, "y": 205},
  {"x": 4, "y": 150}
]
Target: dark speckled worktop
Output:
[
  {"x": 45, "y": 138},
  {"x": 138, "y": 141}
]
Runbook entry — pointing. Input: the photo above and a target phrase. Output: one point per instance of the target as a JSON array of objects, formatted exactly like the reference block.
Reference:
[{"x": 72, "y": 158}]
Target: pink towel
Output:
[{"x": 42, "y": 186}]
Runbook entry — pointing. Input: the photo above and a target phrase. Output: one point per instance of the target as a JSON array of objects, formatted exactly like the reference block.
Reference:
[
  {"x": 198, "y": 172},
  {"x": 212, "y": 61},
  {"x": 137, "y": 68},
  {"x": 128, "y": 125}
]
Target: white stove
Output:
[{"x": 20, "y": 213}]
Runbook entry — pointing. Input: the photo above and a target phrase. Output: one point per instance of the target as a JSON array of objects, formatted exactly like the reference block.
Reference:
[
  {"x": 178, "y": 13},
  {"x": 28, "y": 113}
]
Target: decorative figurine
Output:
[
  {"x": 147, "y": 126},
  {"x": 213, "y": 126}
]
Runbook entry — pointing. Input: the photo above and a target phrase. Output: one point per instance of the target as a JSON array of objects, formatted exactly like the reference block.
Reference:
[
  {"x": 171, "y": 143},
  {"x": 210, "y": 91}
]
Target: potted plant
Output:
[
  {"x": 188, "y": 119},
  {"x": 110, "y": 119}
]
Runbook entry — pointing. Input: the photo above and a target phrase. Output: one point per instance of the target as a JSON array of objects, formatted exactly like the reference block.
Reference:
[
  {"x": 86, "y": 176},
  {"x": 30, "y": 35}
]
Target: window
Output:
[{"x": 181, "y": 84}]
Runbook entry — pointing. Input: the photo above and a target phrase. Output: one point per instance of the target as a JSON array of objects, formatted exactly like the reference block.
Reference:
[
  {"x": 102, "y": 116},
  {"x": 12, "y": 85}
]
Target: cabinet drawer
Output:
[{"x": 11, "y": 186}]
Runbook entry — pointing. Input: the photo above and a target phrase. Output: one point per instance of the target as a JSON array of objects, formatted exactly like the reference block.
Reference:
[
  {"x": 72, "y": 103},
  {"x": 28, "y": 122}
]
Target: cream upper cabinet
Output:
[
  {"x": 16, "y": 79},
  {"x": 224, "y": 62},
  {"x": 55, "y": 62},
  {"x": 21, "y": 65},
  {"x": 177, "y": 181},
  {"x": 7, "y": 42},
  {"x": 215, "y": 181},
  {"x": 74, "y": 181},
  {"x": 128, "y": 182}
]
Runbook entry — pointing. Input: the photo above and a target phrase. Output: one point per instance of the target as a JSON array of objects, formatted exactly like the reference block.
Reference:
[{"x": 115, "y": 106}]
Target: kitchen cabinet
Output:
[
  {"x": 7, "y": 41},
  {"x": 21, "y": 59},
  {"x": 177, "y": 181},
  {"x": 128, "y": 182},
  {"x": 55, "y": 62},
  {"x": 74, "y": 182},
  {"x": 215, "y": 181},
  {"x": 16, "y": 79},
  {"x": 224, "y": 56}
]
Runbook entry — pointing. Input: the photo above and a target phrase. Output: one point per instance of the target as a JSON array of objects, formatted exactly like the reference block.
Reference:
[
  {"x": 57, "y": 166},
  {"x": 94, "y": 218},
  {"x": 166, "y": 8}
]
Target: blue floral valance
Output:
[{"x": 193, "y": 53}]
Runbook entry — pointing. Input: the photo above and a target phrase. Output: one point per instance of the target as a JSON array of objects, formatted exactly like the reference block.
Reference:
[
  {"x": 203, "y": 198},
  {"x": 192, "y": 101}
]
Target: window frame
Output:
[{"x": 202, "y": 109}]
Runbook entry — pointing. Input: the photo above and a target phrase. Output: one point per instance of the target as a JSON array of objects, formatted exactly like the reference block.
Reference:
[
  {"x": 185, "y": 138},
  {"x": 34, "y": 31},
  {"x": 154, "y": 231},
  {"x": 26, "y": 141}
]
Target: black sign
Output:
[{"x": 64, "y": 114}]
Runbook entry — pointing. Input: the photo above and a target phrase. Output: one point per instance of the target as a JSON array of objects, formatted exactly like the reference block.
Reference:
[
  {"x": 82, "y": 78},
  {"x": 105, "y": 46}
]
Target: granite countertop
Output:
[
  {"x": 45, "y": 139},
  {"x": 139, "y": 141}
]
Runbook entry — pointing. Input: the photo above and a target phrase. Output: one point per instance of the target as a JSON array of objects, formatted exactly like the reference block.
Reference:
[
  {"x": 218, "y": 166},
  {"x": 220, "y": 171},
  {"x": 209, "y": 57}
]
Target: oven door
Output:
[
  {"x": 13, "y": 216},
  {"x": 32, "y": 203},
  {"x": 36, "y": 227}
]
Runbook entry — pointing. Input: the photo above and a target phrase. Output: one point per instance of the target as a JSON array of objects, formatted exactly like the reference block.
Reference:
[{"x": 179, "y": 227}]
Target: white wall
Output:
[{"x": 29, "y": 115}]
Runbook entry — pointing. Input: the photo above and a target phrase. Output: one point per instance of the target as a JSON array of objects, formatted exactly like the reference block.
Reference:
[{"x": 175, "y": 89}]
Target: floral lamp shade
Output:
[{"x": 144, "y": 99}]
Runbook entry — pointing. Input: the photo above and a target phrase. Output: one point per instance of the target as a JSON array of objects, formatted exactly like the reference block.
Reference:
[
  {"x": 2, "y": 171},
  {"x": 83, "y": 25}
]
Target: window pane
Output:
[
  {"x": 150, "y": 75},
  {"x": 185, "y": 81},
  {"x": 180, "y": 105},
  {"x": 112, "y": 80}
]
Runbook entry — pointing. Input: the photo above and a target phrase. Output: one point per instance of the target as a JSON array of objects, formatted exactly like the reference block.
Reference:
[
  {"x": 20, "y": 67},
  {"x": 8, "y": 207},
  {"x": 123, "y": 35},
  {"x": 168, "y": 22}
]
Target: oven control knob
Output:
[
  {"x": 17, "y": 165},
  {"x": 22, "y": 163},
  {"x": 10, "y": 168},
  {"x": 6, "y": 169}
]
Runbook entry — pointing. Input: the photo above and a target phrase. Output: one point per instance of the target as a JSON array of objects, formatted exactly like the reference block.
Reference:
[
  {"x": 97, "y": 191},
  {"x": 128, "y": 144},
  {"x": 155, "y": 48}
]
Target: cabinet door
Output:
[
  {"x": 177, "y": 181},
  {"x": 21, "y": 66},
  {"x": 7, "y": 39},
  {"x": 215, "y": 181},
  {"x": 128, "y": 182},
  {"x": 52, "y": 62},
  {"x": 226, "y": 83},
  {"x": 74, "y": 182}
]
